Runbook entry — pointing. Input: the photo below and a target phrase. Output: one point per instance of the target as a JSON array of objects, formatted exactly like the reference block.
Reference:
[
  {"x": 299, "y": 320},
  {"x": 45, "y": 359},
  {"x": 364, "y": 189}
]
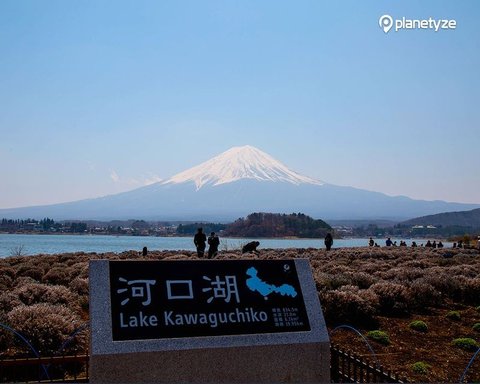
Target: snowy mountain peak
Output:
[{"x": 237, "y": 163}]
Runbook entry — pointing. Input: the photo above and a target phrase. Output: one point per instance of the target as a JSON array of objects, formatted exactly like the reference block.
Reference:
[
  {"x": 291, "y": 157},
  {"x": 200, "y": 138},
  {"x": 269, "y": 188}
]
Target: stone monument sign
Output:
[{"x": 216, "y": 321}]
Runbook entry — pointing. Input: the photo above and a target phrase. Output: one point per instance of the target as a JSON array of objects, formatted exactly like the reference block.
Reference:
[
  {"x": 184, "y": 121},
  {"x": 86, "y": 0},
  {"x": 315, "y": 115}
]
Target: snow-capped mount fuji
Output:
[
  {"x": 238, "y": 163},
  {"x": 234, "y": 184}
]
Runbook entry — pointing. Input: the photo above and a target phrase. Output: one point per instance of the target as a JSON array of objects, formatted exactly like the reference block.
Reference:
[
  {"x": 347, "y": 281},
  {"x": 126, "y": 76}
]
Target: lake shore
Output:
[
  {"x": 44, "y": 233},
  {"x": 19, "y": 244}
]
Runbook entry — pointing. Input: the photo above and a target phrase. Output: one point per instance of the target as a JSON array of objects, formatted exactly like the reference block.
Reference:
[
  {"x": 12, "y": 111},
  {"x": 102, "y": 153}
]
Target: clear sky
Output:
[{"x": 99, "y": 97}]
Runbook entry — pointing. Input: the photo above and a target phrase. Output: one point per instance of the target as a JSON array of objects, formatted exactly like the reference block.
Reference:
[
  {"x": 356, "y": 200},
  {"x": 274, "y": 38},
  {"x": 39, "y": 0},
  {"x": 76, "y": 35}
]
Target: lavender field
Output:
[{"x": 45, "y": 298}]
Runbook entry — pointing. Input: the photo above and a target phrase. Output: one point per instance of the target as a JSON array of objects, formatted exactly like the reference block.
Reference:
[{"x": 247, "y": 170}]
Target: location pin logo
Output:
[{"x": 385, "y": 22}]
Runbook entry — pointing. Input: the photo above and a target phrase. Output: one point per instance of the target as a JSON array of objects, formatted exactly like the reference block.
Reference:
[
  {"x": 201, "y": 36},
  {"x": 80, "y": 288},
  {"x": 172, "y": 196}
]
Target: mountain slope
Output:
[
  {"x": 230, "y": 201},
  {"x": 238, "y": 163},
  {"x": 234, "y": 184},
  {"x": 445, "y": 219}
]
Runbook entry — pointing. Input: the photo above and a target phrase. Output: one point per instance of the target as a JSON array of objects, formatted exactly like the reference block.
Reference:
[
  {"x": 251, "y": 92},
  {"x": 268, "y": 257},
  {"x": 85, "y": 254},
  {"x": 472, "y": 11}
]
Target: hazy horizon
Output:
[{"x": 104, "y": 97}]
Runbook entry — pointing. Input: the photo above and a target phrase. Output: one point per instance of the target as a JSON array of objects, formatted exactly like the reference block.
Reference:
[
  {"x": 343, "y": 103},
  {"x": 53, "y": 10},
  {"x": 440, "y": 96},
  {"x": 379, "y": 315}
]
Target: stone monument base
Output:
[{"x": 288, "y": 363}]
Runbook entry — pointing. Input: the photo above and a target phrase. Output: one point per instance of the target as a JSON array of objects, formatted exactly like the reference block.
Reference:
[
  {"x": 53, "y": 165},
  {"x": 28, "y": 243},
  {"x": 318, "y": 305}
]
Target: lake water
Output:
[{"x": 52, "y": 244}]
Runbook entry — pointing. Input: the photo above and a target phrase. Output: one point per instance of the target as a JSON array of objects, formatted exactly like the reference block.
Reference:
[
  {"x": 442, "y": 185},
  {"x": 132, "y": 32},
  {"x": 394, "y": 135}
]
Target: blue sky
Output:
[{"x": 99, "y": 97}]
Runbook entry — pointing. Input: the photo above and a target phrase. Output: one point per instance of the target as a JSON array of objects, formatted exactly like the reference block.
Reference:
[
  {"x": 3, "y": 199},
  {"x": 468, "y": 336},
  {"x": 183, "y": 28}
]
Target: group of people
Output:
[
  {"x": 200, "y": 240},
  {"x": 467, "y": 244},
  {"x": 390, "y": 243},
  {"x": 434, "y": 244}
]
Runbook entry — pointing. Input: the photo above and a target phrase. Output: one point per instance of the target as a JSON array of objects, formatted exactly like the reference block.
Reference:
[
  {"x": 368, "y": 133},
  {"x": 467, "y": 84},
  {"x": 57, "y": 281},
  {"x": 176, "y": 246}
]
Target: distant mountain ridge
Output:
[
  {"x": 469, "y": 219},
  {"x": 232, "y": 185}
]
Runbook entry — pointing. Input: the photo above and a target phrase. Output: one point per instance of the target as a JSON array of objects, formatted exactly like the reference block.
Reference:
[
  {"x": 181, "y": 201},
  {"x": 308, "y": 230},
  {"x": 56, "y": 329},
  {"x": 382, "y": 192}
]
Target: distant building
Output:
[{"x": 424, "y": 227}]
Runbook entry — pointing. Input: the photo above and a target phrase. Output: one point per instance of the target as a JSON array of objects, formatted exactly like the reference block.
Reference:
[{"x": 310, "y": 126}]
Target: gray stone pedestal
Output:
[{"x": 288, "y": 357}]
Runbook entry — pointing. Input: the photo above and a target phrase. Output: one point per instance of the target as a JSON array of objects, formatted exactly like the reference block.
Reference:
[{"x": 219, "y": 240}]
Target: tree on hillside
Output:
[
  {"x": 191, "y": 229},
  {"x": 260, "y": 224}
]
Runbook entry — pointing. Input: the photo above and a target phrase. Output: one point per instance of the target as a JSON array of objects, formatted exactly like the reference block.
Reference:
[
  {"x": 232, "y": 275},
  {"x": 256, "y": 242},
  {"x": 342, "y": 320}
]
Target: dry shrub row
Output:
[
  {"x": 410, "y": 281},
  {"x": 35, "y": 293},
  {"x": 43, "y": 298},
  {"x": 350, "y": 305},
  {"x": 46, "y": 327},
  {"x": 46, "y": 296}
]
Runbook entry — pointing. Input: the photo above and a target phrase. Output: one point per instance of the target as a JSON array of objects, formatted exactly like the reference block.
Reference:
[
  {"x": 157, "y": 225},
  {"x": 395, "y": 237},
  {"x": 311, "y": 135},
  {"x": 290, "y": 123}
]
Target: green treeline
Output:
[
  {"x": 261, "y": 224},
  {"x": 277, "y": 225},
  {"x": 44, "y": 225},
  {"x": 257, "y": 224},
  {"x": 191, "y": 229}
]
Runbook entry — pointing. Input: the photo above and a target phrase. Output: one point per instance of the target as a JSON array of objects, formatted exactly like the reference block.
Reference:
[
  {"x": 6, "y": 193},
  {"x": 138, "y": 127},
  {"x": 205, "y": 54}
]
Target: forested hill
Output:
[
  {"x": 277, "y": 225},
  {"x": 470, "y": 219}
]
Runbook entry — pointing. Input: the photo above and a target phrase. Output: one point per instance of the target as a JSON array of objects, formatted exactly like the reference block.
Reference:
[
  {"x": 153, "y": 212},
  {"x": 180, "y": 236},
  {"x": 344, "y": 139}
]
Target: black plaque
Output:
[{"x": 170, "y": 299}]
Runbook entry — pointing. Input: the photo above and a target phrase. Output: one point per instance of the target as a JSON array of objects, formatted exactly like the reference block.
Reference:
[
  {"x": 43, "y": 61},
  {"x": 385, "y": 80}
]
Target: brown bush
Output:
[
  {"x": 7, "y": 271},
  {"x": 393, "y": 298},
  {"x": 30, "y": 271},
  {"x": 339, "y": 280},
  {"x": 77, "y": 269},
  {"x": 403, "y": 274},
  {"x": 53, "y": 294},
  {"x": 471, "y": 292},
  {"x": 20, "y": 281},
  {"x": 423, "y": 295},
  {"x": 8, "y": 301},
  {"x": 448, "y": 285},
  {"x": 322, "y": 281},
  {"x": 422, "y": 263},
  {"x": 57, "y": 276},
  {"x": 362, "y": 280},
  {"x": 79, "y": 286},
  {"x": 45, "y": 326},
  {"x": 177, "y": 257},
  {"x": 228, "y": 256},
  {"x": 464, "y": 270},
  {"x": 349, "y": 306},
  {"x": 5, "y": 282},
  {"x": 82, "y": 270}
]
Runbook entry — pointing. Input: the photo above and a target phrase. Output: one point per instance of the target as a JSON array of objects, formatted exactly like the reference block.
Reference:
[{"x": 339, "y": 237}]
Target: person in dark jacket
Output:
[
  {"x": 328, "y": 241},
  {"x": 200, "y": 242},
  {"x": 213, "y": 243},
  {"x": 250, "y": 247}
]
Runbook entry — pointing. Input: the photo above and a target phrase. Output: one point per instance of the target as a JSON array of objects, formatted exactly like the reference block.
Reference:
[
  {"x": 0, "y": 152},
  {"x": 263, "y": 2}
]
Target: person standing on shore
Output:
[
  {"x": 328, "y": 241},
  {"x": 213, "y": 243},
  {"x": 200, "y": 242}
]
